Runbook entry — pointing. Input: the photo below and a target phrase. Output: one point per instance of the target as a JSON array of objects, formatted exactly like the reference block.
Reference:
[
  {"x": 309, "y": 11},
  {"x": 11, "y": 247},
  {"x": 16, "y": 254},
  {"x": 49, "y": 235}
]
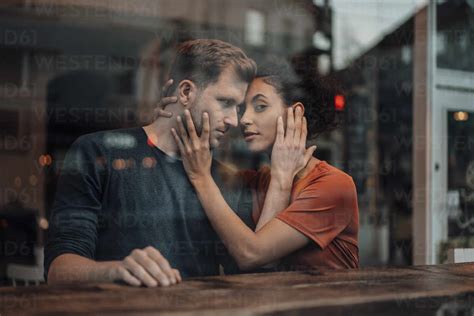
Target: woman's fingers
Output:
[
  {"x": 182, "y": 132},
  {"x": 190, "y": 127},
  {"x": 206, "y": 128},
  {"x": 304, "y": 132},
  {"x": 280, "y": 130},
  {"x": 164, "y": 90},
  {"x": 178, "y": 141},
  {"x": 159, "y": 108},
  {"x": 290, "y": 125}
]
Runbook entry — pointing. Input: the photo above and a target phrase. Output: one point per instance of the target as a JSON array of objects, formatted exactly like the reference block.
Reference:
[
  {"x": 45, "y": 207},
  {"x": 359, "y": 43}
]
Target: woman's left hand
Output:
[
  {"x": 289, "y": 153},
  {"x": 195, "y": 150}
]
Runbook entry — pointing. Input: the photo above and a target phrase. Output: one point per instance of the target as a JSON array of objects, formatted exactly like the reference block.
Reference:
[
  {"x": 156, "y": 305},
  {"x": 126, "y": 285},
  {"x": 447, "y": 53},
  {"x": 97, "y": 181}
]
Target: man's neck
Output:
[{"x": 159, "y": 134}]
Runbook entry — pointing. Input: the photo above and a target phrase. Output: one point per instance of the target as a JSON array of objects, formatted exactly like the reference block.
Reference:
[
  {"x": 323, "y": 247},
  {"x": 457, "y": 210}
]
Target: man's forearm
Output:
[{"x": 72, "y": 268}]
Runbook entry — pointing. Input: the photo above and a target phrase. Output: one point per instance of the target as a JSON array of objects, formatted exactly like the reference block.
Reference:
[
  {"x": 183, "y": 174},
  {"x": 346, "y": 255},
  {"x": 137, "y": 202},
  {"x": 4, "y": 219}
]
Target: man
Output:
[{"x": 125, "y": 209}]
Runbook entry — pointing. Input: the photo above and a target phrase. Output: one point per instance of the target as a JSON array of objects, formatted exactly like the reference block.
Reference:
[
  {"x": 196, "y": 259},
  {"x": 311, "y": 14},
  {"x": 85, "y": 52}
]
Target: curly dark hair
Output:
[{"x": 293, "y": 86}]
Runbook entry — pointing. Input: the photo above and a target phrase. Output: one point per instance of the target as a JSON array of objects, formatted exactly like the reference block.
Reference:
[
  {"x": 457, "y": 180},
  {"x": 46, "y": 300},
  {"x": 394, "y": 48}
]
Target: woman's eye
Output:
[{"x": 260, "y": 107}]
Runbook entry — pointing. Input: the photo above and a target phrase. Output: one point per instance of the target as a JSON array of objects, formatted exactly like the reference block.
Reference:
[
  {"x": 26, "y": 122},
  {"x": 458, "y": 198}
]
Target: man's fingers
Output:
[
  {"x": 153, "y": 267},
  {"x": 126, "y": 276},
  {"x": 163, "y": 264},
  {"x": 190, "y": 125},
  {"x": 206, "y": 128},
  {"x": 177, "y": 275},
  {"x": 139, "y": 272}
]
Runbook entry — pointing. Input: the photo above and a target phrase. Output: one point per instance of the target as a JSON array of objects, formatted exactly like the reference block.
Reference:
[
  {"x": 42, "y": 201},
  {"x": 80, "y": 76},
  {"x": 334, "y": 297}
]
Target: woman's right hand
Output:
[
  {"x": 164, "y": 101},
  {"x": 289, "y": 153}
]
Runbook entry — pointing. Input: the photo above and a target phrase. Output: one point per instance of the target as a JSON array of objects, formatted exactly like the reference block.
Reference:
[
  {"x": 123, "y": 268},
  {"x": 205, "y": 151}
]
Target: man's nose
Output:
[{"x": 231, "y": 118}]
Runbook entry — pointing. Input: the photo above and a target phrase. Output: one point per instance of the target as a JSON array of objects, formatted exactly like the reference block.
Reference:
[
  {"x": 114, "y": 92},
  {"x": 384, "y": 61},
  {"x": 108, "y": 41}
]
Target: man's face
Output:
[{"x": 220, "y": 101}]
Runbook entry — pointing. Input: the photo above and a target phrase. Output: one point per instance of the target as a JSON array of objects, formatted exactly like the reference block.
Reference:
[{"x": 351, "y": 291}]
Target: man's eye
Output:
[
  {"x": 260, "y": 107},
  {"x": 228, "y": 103}
]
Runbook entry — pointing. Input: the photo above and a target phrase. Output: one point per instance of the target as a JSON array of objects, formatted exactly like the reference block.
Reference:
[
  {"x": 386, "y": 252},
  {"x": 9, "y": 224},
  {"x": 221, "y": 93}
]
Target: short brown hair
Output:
[{"x": 203, "y": 60}]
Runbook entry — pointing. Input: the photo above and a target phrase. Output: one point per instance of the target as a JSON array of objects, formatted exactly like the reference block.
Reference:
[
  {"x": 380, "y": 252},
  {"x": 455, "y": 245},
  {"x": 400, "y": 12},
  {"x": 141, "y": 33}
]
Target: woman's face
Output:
[{"x": 263, "y": 106}]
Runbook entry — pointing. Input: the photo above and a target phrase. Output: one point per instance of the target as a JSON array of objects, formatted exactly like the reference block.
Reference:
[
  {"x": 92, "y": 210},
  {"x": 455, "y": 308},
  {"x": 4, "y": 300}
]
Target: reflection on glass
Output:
[
  {"x": 460, "y": 178},
  {"x": 454, "y": 37}
]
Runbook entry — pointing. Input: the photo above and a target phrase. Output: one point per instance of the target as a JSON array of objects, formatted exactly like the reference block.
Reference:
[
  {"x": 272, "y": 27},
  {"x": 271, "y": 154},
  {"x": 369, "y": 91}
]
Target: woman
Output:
[{"x": 305, "y": 209}]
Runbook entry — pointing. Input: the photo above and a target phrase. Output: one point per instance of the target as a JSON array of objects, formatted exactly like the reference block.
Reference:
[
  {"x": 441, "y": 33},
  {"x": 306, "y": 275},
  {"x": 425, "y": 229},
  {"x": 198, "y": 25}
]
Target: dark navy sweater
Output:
[{"x": 116, "y": 192}]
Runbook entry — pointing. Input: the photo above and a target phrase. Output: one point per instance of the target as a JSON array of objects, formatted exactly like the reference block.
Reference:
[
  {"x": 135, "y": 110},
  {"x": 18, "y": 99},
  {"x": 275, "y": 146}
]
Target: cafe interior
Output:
[{"x": 406, "y": 68}]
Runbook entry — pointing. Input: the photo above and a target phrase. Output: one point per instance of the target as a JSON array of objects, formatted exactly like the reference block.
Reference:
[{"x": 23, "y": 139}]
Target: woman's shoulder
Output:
[{"x": 326, "y": 174}]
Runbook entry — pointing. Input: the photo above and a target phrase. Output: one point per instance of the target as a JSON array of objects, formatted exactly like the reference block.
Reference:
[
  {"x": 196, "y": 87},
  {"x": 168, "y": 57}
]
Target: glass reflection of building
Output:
[{"x": 73, "y": 67}]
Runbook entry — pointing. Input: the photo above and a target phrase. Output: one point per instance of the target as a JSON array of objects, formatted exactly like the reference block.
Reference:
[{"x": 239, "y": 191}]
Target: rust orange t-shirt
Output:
[{"x": 323, "y": 206}]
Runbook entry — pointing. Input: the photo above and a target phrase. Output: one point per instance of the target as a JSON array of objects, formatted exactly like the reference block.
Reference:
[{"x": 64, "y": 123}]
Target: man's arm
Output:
[
  {"x": 72, "y": 268},
  {"x": 72, "y": 237},
  {"x": 142, "y": 267}
]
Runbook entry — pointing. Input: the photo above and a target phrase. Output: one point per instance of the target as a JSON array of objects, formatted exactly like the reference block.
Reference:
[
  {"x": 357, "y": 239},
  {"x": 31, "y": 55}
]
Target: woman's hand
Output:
[
  {"x": 289, "y": 153},
  {"x": 164, "y": 101},
  {"x": 195, "y": 151}
]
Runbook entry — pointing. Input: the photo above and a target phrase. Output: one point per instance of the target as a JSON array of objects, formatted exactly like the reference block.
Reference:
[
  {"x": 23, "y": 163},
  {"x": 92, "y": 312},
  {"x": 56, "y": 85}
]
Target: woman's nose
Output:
[{"x": 245, "y": 119}]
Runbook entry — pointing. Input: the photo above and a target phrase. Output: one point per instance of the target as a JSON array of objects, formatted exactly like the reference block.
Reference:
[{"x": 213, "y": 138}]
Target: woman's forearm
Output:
[
  {"x": 241, "y": 242},
  {"x": 247, "y": 247},
  {"x": 276, "y": 200}
]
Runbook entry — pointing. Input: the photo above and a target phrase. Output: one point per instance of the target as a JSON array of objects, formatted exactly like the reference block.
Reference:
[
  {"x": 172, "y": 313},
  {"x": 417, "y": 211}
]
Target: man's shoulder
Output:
[{"x": 124, "y": 138}]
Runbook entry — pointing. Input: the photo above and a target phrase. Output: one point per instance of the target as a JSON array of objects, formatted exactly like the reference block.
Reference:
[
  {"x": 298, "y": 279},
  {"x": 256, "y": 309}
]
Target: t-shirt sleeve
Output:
[
  {"x": 323, "y": 209},
  {"x": 75, "y": 213}
]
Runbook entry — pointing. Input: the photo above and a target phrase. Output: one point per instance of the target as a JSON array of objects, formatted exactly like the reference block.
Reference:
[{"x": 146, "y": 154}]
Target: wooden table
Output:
[{"x": 416, "y": 290}]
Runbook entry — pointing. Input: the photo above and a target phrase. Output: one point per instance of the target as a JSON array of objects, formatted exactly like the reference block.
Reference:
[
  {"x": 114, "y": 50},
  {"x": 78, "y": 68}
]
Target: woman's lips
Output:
[{"x": 248, "y": 136}]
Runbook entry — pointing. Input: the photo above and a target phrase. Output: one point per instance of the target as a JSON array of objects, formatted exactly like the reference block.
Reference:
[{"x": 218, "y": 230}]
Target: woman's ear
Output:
[
  {"x": 187, "y": 92},
  {"x": 298, "y": 104}
]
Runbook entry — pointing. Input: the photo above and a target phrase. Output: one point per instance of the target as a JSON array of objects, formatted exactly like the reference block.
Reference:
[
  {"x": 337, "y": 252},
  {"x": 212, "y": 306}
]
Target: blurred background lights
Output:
[
  {"x": 43, "y": 223},
  {"x": 461, "y": 116},
  {"x": 33, "y": 180},
  {"x": 45, "y": 160},
  {"x": 339, "y": 102}
]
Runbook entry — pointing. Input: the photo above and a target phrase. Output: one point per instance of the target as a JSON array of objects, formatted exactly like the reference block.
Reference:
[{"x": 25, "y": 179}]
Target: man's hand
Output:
[{"x": 148, "y": 267}]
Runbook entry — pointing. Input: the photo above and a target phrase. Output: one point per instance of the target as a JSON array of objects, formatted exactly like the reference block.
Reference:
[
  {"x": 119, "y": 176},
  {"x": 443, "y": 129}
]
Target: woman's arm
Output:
[
  {"x": 248, "y": 248},
  {"x": 289, "y": 156}
]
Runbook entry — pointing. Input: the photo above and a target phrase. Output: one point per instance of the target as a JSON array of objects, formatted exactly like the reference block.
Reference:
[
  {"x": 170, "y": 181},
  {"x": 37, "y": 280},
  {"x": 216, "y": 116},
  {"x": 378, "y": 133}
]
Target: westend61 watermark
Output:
[
  {"x": 104, "y": 9},
  {"x": 18, "y": 37}
]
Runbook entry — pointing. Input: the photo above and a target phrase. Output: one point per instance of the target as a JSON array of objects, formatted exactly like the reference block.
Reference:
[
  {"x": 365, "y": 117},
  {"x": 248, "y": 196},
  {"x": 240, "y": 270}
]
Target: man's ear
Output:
[
  {"x": 187, "y": 93},
  {"x": 298, "y": 104}
]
